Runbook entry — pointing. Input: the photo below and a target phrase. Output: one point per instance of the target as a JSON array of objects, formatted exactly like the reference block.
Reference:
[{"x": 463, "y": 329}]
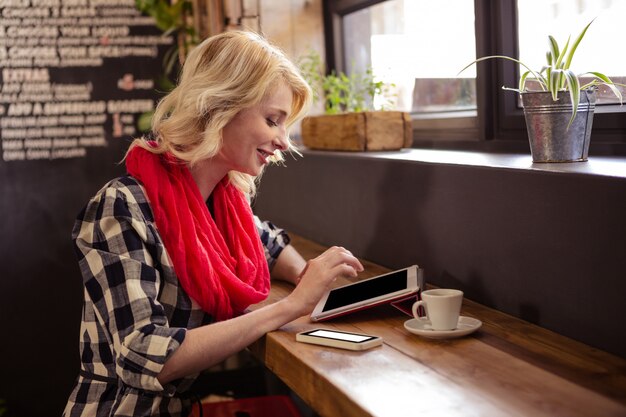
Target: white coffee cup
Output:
[{"x": 442, "y": 307}]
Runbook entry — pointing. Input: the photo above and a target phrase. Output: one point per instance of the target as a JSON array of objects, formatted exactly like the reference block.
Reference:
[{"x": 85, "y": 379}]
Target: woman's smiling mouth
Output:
[{"x": 264, "y": 155}]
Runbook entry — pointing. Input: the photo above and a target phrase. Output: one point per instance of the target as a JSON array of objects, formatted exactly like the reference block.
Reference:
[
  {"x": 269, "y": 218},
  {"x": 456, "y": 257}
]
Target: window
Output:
[
  {"x": 403, "y": 42},
  {"x": 400, "y": 39}
]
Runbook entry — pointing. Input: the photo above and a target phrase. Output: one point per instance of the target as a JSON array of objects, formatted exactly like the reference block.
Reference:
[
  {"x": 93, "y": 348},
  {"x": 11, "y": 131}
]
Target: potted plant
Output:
[
  {"x": 350, "y": 121},
  {"x": 173, "y": 18},
  {"x": 559, "y": 114}
]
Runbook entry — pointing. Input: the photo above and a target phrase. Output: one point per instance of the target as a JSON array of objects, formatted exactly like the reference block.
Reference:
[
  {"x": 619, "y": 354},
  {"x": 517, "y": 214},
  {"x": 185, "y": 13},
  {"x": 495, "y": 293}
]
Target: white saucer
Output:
[{"x": 466, "y": 326}]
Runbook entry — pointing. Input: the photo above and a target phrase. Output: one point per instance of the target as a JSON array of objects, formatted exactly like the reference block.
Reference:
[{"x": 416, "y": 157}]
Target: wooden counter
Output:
[{"x": 507, "y": 368}]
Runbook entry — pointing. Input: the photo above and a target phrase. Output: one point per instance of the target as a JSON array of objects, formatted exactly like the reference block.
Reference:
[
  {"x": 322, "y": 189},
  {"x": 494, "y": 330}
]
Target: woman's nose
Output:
[{"x": 281, "y": 142}]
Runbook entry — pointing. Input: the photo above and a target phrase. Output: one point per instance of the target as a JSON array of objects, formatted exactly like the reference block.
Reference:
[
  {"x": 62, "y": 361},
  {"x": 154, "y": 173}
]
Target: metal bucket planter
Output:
[{"x": 546, "y": 120}]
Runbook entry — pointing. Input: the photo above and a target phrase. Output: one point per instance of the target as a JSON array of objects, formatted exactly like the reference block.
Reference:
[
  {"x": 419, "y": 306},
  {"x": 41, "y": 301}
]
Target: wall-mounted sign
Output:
[{"x": 74, "y": 75}]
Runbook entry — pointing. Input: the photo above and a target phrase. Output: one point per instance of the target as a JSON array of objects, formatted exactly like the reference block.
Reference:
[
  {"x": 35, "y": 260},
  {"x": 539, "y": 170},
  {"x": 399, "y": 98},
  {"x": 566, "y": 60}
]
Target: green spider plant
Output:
[{"x": 556, "y": 75}]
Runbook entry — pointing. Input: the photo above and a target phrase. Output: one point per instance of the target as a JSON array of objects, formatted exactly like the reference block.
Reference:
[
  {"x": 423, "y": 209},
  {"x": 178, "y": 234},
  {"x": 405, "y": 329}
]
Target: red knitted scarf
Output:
[{"x": 219, "y": 262}]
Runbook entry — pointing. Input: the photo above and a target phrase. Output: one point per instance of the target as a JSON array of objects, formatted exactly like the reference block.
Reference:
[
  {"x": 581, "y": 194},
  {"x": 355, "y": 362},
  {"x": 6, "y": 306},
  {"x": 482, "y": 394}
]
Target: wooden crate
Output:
[{"x": 362, "y": 131}]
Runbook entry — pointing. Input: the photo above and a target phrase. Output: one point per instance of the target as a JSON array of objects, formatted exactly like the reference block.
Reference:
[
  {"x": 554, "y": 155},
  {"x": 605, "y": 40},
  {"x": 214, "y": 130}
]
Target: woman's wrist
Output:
[
  {"x": 289, "y": 266},
  {"x": 291, "y": 307},
  {"x": 300, "y": 271}
]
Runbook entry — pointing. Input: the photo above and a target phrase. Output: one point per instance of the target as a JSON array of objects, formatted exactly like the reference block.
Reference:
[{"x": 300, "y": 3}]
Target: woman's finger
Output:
[{"x": 337, "y": 255}]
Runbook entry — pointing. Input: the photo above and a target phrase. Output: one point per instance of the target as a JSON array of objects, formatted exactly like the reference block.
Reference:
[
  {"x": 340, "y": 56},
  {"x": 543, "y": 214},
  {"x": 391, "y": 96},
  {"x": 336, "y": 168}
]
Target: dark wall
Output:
[
  {"x": 72, "y": 86},
  {"x": 40, "y": 286},
  {"x": 531, "y": 243}
]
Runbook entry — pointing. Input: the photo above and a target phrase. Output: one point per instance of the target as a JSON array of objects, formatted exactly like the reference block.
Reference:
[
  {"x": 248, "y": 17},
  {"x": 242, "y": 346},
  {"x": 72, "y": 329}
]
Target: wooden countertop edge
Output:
[
  {"x": 287, "y": 366},
  {"x": 574, "y": 361}
]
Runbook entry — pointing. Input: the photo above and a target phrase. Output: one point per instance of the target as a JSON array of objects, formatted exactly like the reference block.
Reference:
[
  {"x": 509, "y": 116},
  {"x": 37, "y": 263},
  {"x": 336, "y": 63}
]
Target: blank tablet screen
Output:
[{"x": 366, "y": 290}]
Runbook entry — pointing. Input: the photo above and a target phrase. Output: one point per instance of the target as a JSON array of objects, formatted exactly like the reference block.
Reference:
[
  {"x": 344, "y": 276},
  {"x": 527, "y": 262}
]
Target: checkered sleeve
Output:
[
  {"x": 123, "y": 285},
  {"x": 273, "y": 239}
]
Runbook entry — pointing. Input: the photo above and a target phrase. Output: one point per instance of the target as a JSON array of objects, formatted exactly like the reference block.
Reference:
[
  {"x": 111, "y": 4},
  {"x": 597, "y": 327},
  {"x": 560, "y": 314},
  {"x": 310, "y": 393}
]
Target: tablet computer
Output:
[{"x": 382, "y": 289}]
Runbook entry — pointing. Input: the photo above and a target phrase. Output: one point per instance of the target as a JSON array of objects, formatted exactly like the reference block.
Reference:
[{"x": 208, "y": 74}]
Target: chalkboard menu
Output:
[{"x": 74, "y": 77}]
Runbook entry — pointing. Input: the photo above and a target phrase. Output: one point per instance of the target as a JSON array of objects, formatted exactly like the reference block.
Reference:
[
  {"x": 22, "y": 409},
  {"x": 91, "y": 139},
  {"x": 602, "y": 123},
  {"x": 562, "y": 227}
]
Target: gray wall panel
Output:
[{"x": 529, "y": 243}]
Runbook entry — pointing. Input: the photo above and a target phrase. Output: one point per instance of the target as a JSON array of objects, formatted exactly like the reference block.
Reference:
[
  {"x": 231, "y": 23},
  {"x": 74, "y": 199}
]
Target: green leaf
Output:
[
  {"x": 553, "y": 85},
  {"x": 311, "y": 68},
  {"x": 559, "y": 60},
  {"x": 607, "y": 81},
  {"x": 549, "y": 78},
  {"x": 170, "y": 59},
  {"x": 541, "y": 79},
  {"x": 554, "y": 50},
  {"x": 549, "y": 56},
  {"x": 145, "y": 6},
  {"x": 522, "y": 81},
  {"x": 574, "y": 92},
  {"x": 163, "y": 16},
  {"x": 164, "y": 84},
  {"x": 570, "y": 55},
  {"x": 177, "y": 8},
  {"x": 144, "y": 121}
]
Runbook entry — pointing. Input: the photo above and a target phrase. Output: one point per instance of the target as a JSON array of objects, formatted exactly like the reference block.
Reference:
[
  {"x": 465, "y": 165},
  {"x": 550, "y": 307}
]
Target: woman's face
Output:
[{"x": 254, "y": 134}]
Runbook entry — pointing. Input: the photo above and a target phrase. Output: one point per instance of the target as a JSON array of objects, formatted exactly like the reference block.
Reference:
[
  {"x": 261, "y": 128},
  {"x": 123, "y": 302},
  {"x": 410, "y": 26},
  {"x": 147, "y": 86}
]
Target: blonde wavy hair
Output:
[{"x": 222, "y": 76}]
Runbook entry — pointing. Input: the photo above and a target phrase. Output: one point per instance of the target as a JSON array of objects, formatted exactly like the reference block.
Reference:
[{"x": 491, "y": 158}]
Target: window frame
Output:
[{"x": 498, "y": 124}]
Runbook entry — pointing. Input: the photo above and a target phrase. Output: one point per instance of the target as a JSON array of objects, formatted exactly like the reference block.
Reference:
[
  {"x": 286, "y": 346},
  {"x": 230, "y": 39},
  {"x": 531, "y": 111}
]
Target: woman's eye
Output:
[{"x": 271, "y": 122}]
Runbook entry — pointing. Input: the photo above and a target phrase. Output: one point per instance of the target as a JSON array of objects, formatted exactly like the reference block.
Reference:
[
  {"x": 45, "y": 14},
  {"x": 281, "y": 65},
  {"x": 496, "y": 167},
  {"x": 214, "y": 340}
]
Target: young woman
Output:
[{"x": 171, "y": 254}]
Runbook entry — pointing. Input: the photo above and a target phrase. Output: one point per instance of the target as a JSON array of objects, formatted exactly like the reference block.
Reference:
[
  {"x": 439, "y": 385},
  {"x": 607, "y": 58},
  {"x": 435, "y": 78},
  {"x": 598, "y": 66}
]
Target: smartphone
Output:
[{"x": 342, "y": 340}]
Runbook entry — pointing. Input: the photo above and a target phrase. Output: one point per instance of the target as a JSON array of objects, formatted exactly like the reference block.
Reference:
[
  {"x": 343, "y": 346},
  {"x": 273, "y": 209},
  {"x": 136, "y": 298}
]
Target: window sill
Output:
[{"x": 607, "y": 166}]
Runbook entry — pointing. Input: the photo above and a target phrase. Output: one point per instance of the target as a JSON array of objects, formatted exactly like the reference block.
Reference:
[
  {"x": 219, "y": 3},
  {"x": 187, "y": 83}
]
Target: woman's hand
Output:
[{"x": 320, "y": 273}]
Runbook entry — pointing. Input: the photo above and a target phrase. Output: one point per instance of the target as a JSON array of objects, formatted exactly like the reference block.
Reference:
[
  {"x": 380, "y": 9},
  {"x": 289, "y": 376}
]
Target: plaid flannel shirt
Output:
[{"x": 135, "y": 313}]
